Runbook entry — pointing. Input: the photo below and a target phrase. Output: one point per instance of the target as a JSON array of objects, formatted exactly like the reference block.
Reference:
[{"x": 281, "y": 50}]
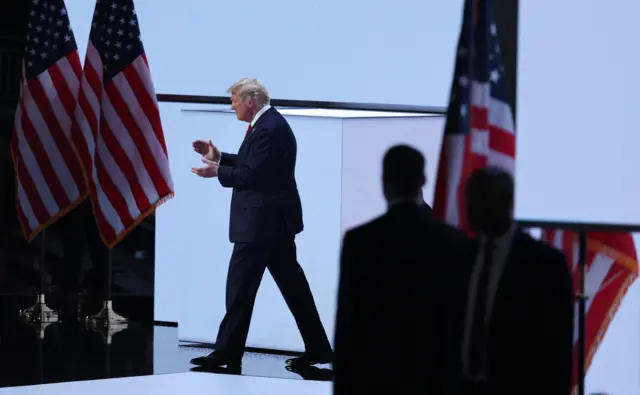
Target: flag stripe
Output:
[
  {"x": 497, "y": 139},
  {"x": 130, "y": 170},
  {"x": 45, "y": 123},
  {"x": 142, "y": 85},
  {"x": 25, "y": 212},
  {"x": 454, "y": 165},
  {"x": 107, "y": 218},
  {"x": 62, "y": 78},
  {"x": 63, "y": 103},
  {"x": 32, "y": 195},
  {"x": 36, "y": 161},
  {"x": 151, "y": 179},
  {"x": 114, "y": 207},
  {"x": 115, "y": 185},
  {"x": 83, "y": 143},
  {"x": 92, "y": 87},
  {"x": 136, "y": 146},
  {"x": 608, "y": 306},
  {"x": 132, "y": 93},
  {"x": 52, "y": 113}
]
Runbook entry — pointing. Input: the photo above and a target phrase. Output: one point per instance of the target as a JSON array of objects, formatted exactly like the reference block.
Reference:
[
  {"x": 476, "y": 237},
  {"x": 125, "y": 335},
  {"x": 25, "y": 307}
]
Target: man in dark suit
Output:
[
  {"x": 393, "y": 272},
  {"x": 424, "y": 205},
  {"x": 266, "y": 214},
  {"x": 516, "y": 306}
]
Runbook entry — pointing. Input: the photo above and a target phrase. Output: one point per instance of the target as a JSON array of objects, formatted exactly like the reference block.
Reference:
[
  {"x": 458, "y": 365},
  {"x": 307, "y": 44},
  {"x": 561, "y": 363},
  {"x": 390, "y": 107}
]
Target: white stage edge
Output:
[{"x": 181, "y": 383}]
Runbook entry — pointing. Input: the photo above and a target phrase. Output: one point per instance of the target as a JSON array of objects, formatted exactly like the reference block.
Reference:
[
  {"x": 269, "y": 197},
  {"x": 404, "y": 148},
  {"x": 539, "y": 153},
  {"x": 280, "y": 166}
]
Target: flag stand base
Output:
[
  {"x": 40, "y": 328},
  {"x": 107, "y": 317},
  {"x": 109, "y": 331},
  {"x": 39, "y": 313}
]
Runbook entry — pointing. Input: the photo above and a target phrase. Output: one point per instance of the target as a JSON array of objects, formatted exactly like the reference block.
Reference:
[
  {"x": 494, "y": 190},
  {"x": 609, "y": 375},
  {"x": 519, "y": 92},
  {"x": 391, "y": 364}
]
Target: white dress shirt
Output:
[
  {"x": 259, "y": 114},
  {"x": 502, "y": 247}
]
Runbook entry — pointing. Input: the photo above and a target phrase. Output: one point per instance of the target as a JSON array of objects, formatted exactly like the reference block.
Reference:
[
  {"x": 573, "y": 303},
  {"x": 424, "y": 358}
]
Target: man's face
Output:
[
  {"x": 479, "y": 213},
  {"x": 486, "y": 212},
  {"x": 242, "y": 107}
]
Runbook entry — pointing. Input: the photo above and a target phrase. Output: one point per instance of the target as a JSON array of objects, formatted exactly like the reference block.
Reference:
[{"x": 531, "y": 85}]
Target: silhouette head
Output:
[
  {"x": 489, "y": 196},
  {"x": 402, "y": 173}
]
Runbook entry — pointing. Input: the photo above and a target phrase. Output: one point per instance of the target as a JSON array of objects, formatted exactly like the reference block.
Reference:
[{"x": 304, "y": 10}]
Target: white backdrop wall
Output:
[
  {"x": 577, "y": 111},
  {"x": 317, "y": 50},
  {"x": 364, "y": 142}
]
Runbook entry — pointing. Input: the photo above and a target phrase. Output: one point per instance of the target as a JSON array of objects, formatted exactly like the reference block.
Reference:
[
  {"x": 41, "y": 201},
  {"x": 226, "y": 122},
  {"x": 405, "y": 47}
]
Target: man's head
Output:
[
  {"x": 248, "y": 96},
  {"x": 403, "y": 173},
  {"x": 489, "y": 194}
]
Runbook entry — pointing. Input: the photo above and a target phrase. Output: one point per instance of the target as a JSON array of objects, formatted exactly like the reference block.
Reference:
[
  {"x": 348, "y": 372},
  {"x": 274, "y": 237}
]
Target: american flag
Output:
[
  {"x": 611, "y": 268},
  {"x": 49, "y": 176},
  {"x": 480, "y": 130},
  {"x": 118, "y": 131}
]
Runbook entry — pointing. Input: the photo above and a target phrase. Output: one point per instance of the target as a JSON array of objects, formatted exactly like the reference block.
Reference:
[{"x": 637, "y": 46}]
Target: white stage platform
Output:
[{"x": 182, "y": 383}]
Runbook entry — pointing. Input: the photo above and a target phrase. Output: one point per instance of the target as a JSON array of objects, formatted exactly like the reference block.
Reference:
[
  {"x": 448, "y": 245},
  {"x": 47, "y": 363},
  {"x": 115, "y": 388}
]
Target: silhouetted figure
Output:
[
  {"x": 516, "y": 306},
  {"x": 393, "y": 272},
  {"x": 426, "y": 208}
]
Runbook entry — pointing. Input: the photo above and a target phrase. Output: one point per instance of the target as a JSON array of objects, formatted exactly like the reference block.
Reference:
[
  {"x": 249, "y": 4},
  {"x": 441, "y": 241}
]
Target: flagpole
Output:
[
  {"x": 40, "y": 313},
  {"x": 582, "y": 301}
]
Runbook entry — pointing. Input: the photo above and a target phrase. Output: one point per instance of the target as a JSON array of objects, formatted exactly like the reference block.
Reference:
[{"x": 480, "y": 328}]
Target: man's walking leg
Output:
[
  {"x": 246, "y": 268},
  {"x": 292, "y": 282}
]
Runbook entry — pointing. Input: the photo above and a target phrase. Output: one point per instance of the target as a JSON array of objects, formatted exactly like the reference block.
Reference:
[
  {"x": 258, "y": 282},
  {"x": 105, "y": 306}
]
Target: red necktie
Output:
[{"x": 248, "y": 130}]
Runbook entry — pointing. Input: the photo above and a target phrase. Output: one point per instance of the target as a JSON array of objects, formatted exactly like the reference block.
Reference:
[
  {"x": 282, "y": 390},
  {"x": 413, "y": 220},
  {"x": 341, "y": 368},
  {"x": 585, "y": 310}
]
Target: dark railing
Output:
[
  {"x": 580, "y": 226},
  {"x": 326, "y": 105}
]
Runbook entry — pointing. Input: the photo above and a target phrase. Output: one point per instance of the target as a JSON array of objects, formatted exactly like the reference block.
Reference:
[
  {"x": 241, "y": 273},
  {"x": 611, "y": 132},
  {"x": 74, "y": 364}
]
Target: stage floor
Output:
[
  {"x": 71, "y": 352},
  {"x": 181, "y": 383}
]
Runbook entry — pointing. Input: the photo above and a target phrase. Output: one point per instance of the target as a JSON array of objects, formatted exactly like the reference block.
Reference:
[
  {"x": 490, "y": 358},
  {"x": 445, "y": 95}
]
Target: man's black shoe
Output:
[
  {"x": 216, "y": 360},
  {"x": 310, "y": 359},
  {"x": 313, "y": 373}
]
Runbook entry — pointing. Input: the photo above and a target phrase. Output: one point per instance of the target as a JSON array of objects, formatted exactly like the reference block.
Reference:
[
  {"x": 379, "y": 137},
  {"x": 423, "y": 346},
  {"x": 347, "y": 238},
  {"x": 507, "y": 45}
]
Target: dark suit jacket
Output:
[
  {"x": 265, "y": 204},
  {"x": 530, "y": 345},
  {"x": 392, "y": 272}
]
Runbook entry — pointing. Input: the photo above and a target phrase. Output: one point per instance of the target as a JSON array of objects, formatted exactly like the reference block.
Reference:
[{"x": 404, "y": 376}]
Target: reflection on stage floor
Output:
[{"x": 70, "y": 351}]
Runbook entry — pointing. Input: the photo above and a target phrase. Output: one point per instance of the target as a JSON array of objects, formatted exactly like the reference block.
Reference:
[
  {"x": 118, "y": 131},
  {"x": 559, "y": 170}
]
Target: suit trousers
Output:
[{"x": 246, "y": 268}]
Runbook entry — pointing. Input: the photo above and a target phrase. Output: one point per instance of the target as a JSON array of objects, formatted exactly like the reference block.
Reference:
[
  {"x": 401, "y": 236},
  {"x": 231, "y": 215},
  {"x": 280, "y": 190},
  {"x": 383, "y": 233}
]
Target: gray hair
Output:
[{"x": 250, "y": 87}]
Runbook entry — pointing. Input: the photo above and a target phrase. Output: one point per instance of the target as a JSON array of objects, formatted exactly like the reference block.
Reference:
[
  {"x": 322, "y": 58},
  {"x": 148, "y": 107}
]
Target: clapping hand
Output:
[
  {"x": 208, "y": 150},
  {"x": 210, "y": 170}
]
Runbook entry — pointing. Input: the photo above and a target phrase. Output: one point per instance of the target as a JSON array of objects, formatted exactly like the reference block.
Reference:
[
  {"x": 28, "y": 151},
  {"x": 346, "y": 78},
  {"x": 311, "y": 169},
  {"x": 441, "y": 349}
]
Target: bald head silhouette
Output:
[{"x": 403, "y": 173}]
